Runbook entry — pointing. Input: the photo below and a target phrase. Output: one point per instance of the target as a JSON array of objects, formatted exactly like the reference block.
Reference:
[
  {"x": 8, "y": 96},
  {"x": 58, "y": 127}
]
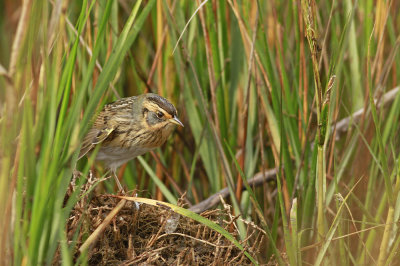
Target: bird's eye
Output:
[{"x": 160, "y": 114}]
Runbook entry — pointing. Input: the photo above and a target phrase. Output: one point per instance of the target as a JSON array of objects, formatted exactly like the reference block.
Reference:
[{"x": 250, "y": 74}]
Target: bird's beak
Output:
[{"x": 176, "y": 121}]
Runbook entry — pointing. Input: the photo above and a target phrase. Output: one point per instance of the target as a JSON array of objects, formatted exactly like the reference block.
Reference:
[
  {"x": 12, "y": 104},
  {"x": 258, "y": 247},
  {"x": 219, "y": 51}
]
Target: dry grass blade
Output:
[
  {"x": 187, "y": 24},
  {"x": 92, "y": 239}
]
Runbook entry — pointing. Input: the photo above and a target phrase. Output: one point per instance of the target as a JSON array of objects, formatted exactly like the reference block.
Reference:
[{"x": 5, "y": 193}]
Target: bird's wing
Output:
[
  {"x": 93, "y": 137},
  {"x": 104, "y": 125}
]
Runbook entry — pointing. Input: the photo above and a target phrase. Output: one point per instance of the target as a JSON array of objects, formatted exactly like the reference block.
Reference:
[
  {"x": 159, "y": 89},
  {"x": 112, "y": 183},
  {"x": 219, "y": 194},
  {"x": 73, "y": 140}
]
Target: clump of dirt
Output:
[{"x": 151, "y": 235}]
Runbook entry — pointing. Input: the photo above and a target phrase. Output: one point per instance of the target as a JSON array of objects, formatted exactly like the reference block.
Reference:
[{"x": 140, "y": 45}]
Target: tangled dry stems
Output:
[{"x": 144, "y": 237}]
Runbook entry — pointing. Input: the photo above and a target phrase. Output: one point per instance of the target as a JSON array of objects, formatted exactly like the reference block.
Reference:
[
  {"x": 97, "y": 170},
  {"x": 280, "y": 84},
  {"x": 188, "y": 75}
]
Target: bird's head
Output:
[{"x": 159, "y": 113}]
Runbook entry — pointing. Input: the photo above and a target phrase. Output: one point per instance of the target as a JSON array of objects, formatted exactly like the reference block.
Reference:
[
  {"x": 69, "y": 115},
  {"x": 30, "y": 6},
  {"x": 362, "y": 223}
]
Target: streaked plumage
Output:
[{"x": 130, "y": 127}]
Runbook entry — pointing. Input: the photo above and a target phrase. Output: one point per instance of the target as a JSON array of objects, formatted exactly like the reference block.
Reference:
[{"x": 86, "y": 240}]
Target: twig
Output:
[
  {"x": 214, "y": 199},
  {"x": 342, "y": 125},
  {"x": 193, "y": 238}
]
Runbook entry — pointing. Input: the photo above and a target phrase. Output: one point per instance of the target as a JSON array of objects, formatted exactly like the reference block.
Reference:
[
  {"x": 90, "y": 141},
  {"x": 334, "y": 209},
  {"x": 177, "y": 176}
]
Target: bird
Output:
[{"x": 130, "y": 127}]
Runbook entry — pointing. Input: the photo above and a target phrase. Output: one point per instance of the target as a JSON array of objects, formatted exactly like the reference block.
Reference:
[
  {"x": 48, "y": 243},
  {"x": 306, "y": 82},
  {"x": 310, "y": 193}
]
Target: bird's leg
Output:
[{"x": 121, "y": 189}]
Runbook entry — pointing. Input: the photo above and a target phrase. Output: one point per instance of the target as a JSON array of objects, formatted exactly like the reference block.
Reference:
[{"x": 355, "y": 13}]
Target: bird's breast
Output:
[{"x": 116, "y": 156}]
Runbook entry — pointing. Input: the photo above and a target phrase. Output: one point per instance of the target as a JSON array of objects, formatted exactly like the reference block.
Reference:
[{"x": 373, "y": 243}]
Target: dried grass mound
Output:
[{"x": 155, "y": 235}]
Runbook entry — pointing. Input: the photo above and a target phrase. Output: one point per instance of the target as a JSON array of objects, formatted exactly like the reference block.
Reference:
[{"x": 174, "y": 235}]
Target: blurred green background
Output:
[{"x": 250, "y": 80}]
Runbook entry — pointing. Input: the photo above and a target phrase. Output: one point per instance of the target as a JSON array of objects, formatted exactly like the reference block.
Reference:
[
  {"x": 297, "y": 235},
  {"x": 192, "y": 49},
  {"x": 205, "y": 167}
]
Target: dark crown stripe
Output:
[{"x": 162, "y": 103}]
